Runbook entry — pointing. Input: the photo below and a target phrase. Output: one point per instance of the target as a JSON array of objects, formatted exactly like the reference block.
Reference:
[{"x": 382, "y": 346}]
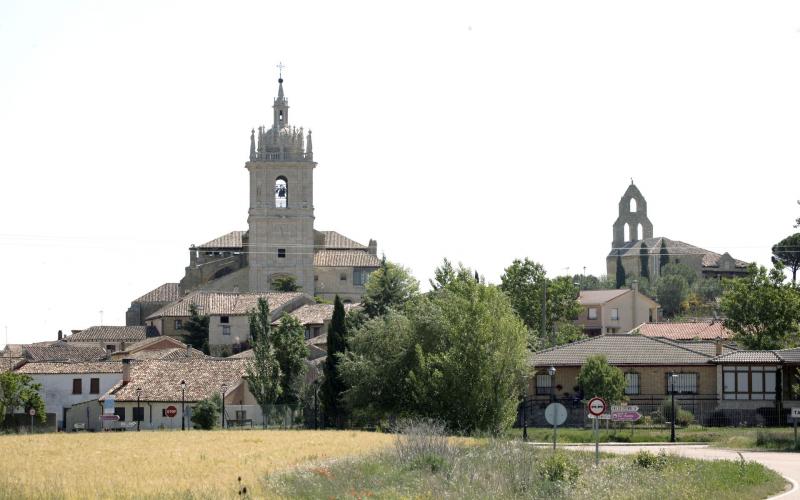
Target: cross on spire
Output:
[{"x": 280, "y": 67}]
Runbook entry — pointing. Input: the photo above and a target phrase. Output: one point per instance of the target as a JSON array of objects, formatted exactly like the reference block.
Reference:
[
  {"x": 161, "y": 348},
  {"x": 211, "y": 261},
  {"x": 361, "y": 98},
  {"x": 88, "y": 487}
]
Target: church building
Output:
[
  {"x": 641, "y": 254},
  {"x": 280, "y": 240}
]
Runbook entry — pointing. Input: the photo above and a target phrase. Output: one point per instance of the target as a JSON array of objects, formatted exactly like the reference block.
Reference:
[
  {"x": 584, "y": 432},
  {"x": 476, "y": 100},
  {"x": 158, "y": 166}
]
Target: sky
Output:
[{"x": 477, "y": 131}]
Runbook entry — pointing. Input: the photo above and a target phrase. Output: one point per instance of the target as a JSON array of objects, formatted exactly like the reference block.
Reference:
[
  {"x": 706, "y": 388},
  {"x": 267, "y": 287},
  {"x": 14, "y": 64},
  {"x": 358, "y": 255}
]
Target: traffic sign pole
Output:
[{"x": 596, "y": 443}]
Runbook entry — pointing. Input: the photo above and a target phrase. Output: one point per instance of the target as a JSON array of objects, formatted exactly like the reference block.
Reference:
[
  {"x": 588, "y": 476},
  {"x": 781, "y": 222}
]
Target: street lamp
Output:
[
  {"x": 223, "y": 387},
  {"x": 138, "y": 408},
  {"x": 525, "y": 412},
  {"x": 183, "y": 405},
  {"x": 673, "y": 377}
]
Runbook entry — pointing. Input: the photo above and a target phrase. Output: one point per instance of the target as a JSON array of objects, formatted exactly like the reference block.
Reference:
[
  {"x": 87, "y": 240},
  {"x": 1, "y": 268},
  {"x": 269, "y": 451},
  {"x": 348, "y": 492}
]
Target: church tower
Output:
[
  {"x": 632, "y": 223},
  {"x": 281, "y": 215}
]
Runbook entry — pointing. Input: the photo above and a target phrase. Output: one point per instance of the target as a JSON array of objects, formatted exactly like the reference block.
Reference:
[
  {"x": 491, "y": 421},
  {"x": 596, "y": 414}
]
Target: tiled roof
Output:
[
  {"x": 789, "y": 355},
  {"x": 13, "y": 350},
  {"x": 592, "y": 297},
  {"x": 674, "y": 248},
  {"x": 620, "y": 349},
  {"x": 66, "y": 368},
  {"x": 174, "y": 353},
  {"x": 160, "y": 380},
  {"x": 749, "y": 357},
  {"x": 113, "y": 334},
  {"x": 226, "y": 303},
  {"x": 171, "y": 342},
  {"x": 65, "y": 351},
  {"x": 707, "y": 347},
  {"x": 706, "y": 330},
  {"x": 312, "y": 314},
  {"x": 318, "y": 340},
  {"x": 248, "y": 354},
  {"x": 165, "y": 293},
  {"x": 231, "y": 240},
  {"x": 331, "y": 240},
  {"x": 345, "y": 258},
  {"x": 7, "y": 363}
]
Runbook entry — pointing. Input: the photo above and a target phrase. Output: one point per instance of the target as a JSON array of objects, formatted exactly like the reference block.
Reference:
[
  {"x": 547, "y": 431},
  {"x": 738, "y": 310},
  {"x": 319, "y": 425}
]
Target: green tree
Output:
[
  {"x": 443, "y": 275},
  {"x": 196, "y": 329},
  {"x": 708, "y": 289},
  {"x": 332, "y": 385},
  {"x": 390, "y": 286},
  {"x": 680, "y": 270},
  {"x": 206, "y": 412},
  {"x": 598, "y": 378},
  {"x": 286, "y": 284},
  {"x": 672, "y": 291},
  {"x": 663, "y": 258},
  {"x": 762, "y": 310},
  {"x": 620, "y": 272},
  {"x": 260, "y": 322},
  {"x": 288, "y": 340},
  {"x": 264, "y": 374},
  {"x": 19, "y": 392},
  {"x": 644, "y": 256},
  {"x": 787, "y": 252}
]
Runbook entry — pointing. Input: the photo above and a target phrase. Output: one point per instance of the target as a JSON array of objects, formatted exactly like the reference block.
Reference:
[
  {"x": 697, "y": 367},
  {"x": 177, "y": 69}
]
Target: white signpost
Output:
[
  {"x": 555, "y": 414},
  {"x": 597, "y": 409},
  {"x": 796, "y": 416}
]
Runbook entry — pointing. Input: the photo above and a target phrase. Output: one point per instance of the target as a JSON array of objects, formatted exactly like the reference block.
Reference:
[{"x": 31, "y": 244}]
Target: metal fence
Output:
[{"x": 656, "y": 412}]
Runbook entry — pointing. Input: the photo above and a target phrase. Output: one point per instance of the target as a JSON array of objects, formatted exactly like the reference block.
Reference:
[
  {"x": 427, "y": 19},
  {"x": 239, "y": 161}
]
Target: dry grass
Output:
[{"x": 164, "y": 464}]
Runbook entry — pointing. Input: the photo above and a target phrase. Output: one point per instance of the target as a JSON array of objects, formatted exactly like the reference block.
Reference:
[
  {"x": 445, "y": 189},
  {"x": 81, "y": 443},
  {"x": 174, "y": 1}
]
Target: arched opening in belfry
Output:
[
  {"x": 627, "y": 233},
  {"x": 633, "y": 205},
  {"x": 640, "y": 232},
  {"x": 280, "y": 116},
  {"x": 281, "y": 192}
]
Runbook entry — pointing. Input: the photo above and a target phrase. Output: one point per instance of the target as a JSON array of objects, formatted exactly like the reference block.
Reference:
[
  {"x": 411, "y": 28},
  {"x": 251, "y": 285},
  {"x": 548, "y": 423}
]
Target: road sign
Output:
[
  {"x": 796, "y": 412},
  {"x": 624, "y": 408},
  {"x": 32, "y": 412},
  {"x": 604, "y": 416},
  {"x": 597, "y": 406},
  {"x": 625, "y": 416},
  {"x": 555, "y": 414},
  {"x": 108, "y": 405},
  {"x": 171, "y": 411},
  {"x": 109, "y": 417}
]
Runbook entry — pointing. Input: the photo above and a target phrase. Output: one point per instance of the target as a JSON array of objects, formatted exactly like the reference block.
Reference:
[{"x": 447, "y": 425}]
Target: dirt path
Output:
[{"x": 787, "y": 464}]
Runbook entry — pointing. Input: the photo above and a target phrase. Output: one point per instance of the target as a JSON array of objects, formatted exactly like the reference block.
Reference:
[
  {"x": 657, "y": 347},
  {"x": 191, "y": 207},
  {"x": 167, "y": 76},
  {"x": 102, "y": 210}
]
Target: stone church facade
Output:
[
  {"x": 633, "y": 239},
  {"x": 280, "y": 240}
]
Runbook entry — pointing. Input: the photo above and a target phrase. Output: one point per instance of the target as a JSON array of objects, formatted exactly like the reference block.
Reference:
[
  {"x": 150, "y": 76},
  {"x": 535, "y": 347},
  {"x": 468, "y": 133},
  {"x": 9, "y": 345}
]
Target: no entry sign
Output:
[
  {"x": 171, "y": 411},
  {"x": 597, "y": 406}
]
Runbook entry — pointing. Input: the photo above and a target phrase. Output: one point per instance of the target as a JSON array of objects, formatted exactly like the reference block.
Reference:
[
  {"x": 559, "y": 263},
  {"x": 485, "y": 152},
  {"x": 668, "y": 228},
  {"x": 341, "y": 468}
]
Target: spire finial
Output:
[
  {"x": 280, "y": 67},
  {"x": 631, "y": 181}
]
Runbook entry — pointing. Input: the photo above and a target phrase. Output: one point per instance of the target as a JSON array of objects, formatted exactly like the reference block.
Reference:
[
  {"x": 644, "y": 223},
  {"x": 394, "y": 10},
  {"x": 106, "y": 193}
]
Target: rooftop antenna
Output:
[{"x": 101, "y": 317}]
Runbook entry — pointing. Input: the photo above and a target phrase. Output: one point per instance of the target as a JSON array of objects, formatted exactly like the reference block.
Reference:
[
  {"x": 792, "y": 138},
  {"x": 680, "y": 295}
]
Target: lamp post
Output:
[
  {"x": 223, "y": 387},
  {"x": 672, "y": 378},
  {"x": 183, "y": 405},
  {"x": 138, "y": 408},
  {"x": 552, "y": 372},
  {"x": 525, "y": 413}
]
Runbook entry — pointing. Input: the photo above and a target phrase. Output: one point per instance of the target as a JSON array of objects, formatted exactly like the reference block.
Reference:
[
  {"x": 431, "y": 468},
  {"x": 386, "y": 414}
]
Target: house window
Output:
[
  {"x": 316, "y": 277},
  {"x": 308, "y": 332},
  {"x": 685, "y": 383},
  {"x": 343, "y": 277},
  {"x": 281, "y": 253},
  {"x": 241, "y": 415},
  {"x": 226, "y": 329},
  {"x": 178, "y": 324},
  {"x": 94, "y": 386},
  {"x": 749, "y": 382},
  {"x": 615, "y": 314},
  {"x": 592, "y": 313},
  {"x": 360, "y": 276},
  {"x": 138, "y": 414},
  {"x": 631, "y": 383},
  {"x": 110, "y": 347},
  {"x": 120, "y": 412},
  {"x": 316, "y": 331},
  {"x": 543, "y": 384},
  {"x": 224, "y": 319},
  {"x": 77, "y": 386}
]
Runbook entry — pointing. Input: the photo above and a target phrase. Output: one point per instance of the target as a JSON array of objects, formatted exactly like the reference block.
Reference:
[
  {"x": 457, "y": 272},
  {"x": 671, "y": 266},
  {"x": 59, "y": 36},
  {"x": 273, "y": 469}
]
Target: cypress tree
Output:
[
  {"x": 620, "y": 272},
  {"x": 644, "y": 255},
  {"x": 664, "y": 259},
  {"x": 332, "y": 385}
]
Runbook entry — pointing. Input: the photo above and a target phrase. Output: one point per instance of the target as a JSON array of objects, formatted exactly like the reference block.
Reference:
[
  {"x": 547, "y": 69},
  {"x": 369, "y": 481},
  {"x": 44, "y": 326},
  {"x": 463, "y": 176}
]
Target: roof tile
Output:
[{"x": 621, "y": 349}]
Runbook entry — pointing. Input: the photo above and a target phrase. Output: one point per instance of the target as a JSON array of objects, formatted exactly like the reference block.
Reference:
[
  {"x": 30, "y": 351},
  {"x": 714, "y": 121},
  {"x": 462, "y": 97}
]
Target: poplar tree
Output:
[
  {"x": 332, "y": 386},
  {"x": 620, "y": 272},
  {"x": 644, "y": 255}
]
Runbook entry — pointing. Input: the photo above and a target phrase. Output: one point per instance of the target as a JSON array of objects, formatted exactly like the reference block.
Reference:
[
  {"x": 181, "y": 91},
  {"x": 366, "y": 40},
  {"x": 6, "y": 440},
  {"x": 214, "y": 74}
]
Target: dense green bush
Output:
[
  {"x": 559, "y": 467},
  {"x": 683, "y": 417},
  {"x": 205, "y": 413},
  {"x": 648, "y": 460}
]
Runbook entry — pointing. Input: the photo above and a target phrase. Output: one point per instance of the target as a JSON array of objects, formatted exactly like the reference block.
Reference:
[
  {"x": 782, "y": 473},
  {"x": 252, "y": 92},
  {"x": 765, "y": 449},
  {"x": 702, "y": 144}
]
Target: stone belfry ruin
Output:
[
  {"x": 281, "y": 215},
  {"x": 632, "y": 223}
]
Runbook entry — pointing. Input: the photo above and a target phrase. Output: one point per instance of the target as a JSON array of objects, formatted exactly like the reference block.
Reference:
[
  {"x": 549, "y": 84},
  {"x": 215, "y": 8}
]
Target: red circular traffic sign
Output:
[
  {"x": 32, "y": 412},
  {"x": 597, "y": 406},
  {"x": 171, "y": 411}
]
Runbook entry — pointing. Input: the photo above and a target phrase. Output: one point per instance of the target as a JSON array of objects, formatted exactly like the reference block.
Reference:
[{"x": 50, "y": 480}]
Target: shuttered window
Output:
[
  {"x": 77, "y": 386},
  {"x": 94, "y": 386}
]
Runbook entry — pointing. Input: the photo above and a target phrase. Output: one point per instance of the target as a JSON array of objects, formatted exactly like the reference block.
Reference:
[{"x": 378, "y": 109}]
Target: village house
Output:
[
  {"x": 66, "y": 384},
  {"x": 161, "y": 347},
  {"x": 614, "y": 311},
  {"x": 682, "y": 331},
  {"x": 111, "y": 338}
]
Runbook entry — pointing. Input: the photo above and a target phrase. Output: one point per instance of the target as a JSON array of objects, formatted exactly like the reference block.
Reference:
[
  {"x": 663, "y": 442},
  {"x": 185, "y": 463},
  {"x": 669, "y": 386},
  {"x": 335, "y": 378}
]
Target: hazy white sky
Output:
[{"x": 478, "y": 131}]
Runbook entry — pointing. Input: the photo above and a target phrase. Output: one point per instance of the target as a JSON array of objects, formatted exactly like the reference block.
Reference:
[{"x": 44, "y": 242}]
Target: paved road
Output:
[{"x": 787, "y": 464}]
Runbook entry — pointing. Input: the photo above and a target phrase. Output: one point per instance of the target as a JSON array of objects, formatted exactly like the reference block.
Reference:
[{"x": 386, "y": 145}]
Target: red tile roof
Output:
[{"x": 706, "y": 330}]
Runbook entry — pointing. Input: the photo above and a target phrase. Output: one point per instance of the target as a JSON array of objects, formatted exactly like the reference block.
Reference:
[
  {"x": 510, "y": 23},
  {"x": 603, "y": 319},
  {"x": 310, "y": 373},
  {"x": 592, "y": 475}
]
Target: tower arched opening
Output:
[{"x": 281, "y": 192}]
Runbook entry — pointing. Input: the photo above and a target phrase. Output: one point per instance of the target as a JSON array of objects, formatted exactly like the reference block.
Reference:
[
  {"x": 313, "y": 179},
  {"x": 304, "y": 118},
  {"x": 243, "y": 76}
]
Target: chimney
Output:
[
  {"x": 718, "y": 346},
  {"x": 372, "y": 248},
  {"x": 126, "y": 370},
  {"x": 60, "y": 335}
]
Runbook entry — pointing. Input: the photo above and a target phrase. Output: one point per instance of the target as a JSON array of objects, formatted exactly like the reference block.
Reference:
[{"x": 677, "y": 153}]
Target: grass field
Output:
[
  {"x": 729, "y": 437},
  {"x": 164, "y": 464}
]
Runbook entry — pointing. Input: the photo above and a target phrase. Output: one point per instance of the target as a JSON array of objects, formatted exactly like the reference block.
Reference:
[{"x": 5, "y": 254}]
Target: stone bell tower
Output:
[
  {"x": 633, "y": 214},
  {"x": 281, "y": 215}
]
